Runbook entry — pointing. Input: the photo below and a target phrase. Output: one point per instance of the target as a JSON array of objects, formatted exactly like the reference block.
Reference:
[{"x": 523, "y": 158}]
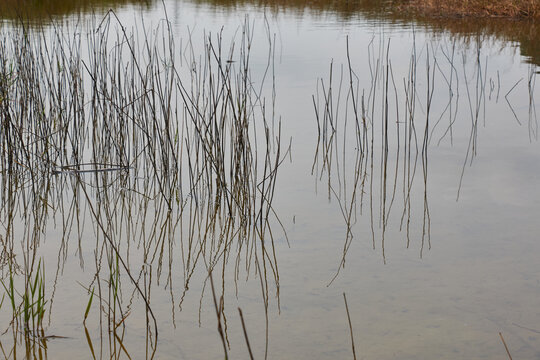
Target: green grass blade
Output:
[{"x": 89, "y": 305}]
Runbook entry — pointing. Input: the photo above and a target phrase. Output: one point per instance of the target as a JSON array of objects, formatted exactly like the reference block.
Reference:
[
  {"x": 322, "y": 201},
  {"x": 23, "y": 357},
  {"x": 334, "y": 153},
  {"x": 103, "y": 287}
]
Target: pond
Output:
[{"x": 236, "y": 179}]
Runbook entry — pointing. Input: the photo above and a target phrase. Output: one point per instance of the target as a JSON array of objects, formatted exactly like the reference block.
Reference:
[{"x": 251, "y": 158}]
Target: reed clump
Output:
[
  {"x": 169, "y": 153},
  {"x": 529, "y": 9}
]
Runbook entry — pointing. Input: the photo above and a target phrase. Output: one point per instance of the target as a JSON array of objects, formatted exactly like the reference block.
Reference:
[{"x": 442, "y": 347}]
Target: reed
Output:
[
  {"x": 169, "y": 153},
  {"x": 391, "y": 123},
  {"x": 28, "y": 309}
]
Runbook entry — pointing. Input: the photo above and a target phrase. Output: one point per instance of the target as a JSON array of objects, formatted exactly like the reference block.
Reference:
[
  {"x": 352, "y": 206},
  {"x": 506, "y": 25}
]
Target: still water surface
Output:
[{"x": 440, "y": 223}]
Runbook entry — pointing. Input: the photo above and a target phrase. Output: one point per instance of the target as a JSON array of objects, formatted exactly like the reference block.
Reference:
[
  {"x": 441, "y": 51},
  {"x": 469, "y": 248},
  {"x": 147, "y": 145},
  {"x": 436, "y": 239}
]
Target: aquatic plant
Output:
[{"x": 170, "y": 156}]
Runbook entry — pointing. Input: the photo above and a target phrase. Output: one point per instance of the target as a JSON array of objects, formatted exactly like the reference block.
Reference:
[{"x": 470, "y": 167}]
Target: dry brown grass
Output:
[{"x": 477, "y": 8}]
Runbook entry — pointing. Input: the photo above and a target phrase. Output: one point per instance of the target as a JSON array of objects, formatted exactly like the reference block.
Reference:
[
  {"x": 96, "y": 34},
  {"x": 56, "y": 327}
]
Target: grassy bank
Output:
[{"x": 529, "y": 9}]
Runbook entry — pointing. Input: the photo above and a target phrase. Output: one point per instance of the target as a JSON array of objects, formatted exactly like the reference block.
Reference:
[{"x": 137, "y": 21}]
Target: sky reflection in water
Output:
[{"x": 361, "y": 177}]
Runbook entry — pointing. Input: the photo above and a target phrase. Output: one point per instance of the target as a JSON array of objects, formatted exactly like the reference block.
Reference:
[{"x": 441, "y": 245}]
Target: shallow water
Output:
[{"x": 465, "y": 182}]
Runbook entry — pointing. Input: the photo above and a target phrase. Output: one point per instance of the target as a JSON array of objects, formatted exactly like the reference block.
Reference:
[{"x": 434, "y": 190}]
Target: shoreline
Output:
[{"x": 504, "y": 9}]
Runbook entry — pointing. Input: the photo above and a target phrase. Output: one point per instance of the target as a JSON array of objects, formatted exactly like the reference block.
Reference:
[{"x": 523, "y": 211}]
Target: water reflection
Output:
[
  {"x": 344, "y": 9},
  {"x": 374, "y": 141},
  {"x": 44, "y": 10},
  {"x": 172, "y": 169},
  {"x": 156, "y": 164},
  {"x": 526, "y": 33}
]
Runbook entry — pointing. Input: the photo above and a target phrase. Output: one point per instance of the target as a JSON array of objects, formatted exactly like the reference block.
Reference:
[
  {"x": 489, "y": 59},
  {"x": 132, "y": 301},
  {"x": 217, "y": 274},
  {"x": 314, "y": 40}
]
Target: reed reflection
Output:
[
  {"x": 373, "y": 143},
  {"x": 160, "y": 170}
]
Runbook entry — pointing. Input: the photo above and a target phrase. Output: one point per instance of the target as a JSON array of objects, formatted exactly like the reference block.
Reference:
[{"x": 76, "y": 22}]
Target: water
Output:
[{"x": 465, "y": 271}]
